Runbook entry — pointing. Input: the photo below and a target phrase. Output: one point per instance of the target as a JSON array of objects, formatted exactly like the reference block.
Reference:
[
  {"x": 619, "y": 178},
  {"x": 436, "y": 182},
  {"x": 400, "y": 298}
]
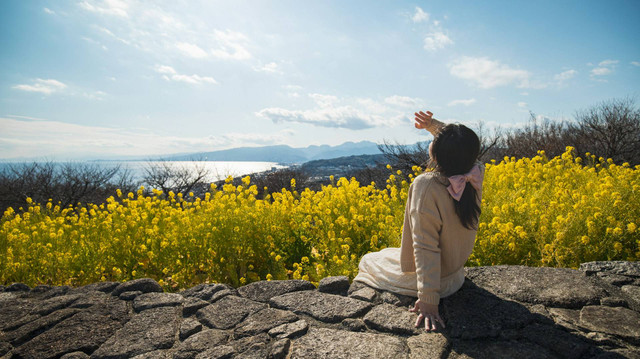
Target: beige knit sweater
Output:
[{"x": 434, "y": 243}]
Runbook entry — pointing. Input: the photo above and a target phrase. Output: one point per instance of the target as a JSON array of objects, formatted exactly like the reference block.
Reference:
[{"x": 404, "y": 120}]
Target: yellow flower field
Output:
[{"x": 536, "y": 211}]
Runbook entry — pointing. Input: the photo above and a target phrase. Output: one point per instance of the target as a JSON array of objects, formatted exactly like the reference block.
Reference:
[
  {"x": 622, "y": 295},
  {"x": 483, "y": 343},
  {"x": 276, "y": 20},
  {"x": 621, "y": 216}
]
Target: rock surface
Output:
[{"x": 500, "y": 311}]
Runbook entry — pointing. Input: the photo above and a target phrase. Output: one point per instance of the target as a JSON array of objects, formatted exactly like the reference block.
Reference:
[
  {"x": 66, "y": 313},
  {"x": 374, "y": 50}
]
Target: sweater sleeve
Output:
[
  {"x": 435, "y": 126},
  {"x": 426, "y": 224}
]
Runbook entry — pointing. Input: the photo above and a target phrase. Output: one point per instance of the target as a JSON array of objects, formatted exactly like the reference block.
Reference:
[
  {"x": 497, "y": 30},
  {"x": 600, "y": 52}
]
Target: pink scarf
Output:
[{"x": 458, "y": 182}]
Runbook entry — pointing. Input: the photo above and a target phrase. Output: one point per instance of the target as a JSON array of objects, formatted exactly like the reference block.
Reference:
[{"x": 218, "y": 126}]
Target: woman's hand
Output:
[
  {"x": 428, "y": 313},
  {"x": 423, "y": 120}
]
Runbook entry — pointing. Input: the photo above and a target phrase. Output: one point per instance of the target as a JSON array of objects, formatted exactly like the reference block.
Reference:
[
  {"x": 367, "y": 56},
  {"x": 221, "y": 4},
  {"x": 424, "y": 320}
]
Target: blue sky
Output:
[{"x": 106, "y": 79}]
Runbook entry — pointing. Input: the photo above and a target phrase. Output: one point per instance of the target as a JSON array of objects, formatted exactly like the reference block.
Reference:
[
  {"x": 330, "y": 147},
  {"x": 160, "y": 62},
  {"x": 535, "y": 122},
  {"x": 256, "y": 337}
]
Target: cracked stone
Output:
[
  {"x": 199, "y": 342},
  {"x": 335, "y": 285},
  {"x": 389, "y": 318},
  {"x": 367, "y": 294},
  {"x": 322, "y": 306},
  {"x": 618, "y": 321},
  {"x": 154, "y": 300},
  {"x": 144, "y": 285},
  {"x": 228, "y": 311},
  {"x": 427, "y": 346},
  {"x": 188, "y": 327},
  {"x": 289, "y": 330},
  {"x": 264, "y": 290},
  {"x": 263, "y": 321}
]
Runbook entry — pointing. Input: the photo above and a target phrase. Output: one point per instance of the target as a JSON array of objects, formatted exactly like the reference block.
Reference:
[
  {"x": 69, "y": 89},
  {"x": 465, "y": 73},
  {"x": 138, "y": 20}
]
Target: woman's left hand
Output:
[{"x": 428, "y": 313}]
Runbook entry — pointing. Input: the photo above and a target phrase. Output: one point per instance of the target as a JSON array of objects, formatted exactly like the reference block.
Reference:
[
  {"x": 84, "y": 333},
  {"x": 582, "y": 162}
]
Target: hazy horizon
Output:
[{"x": 109, "y": 78}]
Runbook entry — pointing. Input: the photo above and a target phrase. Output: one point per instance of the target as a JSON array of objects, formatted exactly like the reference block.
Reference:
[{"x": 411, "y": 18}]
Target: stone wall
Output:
[{"x": 500, "y": 312}]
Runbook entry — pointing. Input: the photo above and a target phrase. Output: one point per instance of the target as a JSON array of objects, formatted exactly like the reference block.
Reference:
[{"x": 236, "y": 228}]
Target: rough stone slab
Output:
[
  {"x": 323, "y": 343},
  {"x": 617, "y": 321},
  {"x": 367, "y": 294},
  {"x": 389, "y": 318},
  {"x": 105, "y": 287},
  {"x": 191, "y": 305},
  {"x": 189, "y": 327},
  {"x": 49, "y": 305},
  {"x": 256, "y": 351},
  {"x": 492, "y": 349},
  {"x": 5, "y": 348},
  {"x": 30, "y": 330},
  {"x": 264, "y": 290},
  {"x": 219, "y": 352},
  {"x": 85, "y": 332},
  {"x": 614, "y": 279},
  {"x": 561, "y": 342},
  {"x": 8, "y": 297},
  {"x": 228, "y": 311},
  {"x": 17, "y": 287},
  {"x": 154, "y": 300},
  {"x": 357, "y": 285},
  {"x": 204, "y": 291},
  {"x": 55, "y": 291},
  {"x": 156, "y": 354},
  {"x": 354, "y": 324},
  {"x": 474, "y": 313},
  {"x": 568, "y": 318},
  {"x": 632, "y": 291},
  {"x": 246, "y": 344},
  {"x": 75, "y": 355},
  {"x": 615, "y": 267},
  {"x": 280, "y": 348},
  {"x": 223, "y": 293},
  {"x": 335, "y": 285},
  {"x": 262, "y": 321},
  {"x": 200, "y": 342},
  {"x": 322, "y": 306},
  {"x": 397, "y": 299},
  {"x": 145, "y": 285},
  {"x": 90, "y": 298},
  {"x": 129, "y": 295},
  {"x": 14, "y": 312},
  {"x": 427, "y": 346},
  {"x": 614, "y": 302},
  {"x": 556, "y": 287},
  {"x": 146, "y": 331},
  {"x": 289, "y": 330}
]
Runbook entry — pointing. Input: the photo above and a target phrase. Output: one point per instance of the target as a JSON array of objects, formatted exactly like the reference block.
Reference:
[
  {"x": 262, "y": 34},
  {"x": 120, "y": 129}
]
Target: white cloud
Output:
[
  {"x": 191, "y": 50},
  {"x": 566, "y": 75},
  {"x": 604, "y": 68},
  {"x": 231, "y": 45},
  {"x": 108, "y": 7},
  {"x": 339, "y": 117},
  {"x": 46, "y": 87},
  {"x": 600, "y": 71},
  {"x": 24, "y": 136},
  {"x": 324, "y": 100},
  {"x": 462, "y": 102},
  {"x": 404, "y": 101},
  {"x": 420, "y": 15},
  {"x": 49, "y": 11},
  {"x": 271, "y": 67},
  {"x": 170, "y": 74},
  {"x": 486, "y": 74},
  {"x": 635, "y": 63},
  {"x": 436, "y": 40},
  {"x": 354, "y": 114},
  {"x": 608, "y": 62},
  {"x": 522, "y": 104}
]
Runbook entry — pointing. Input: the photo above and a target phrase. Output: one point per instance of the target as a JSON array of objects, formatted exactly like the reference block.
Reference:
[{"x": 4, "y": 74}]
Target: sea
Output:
[{"x": 217, "y": 170}]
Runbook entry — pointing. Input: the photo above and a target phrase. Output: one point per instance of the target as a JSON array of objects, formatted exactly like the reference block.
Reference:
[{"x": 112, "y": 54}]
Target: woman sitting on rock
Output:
[{"x": 440, "y": 224}]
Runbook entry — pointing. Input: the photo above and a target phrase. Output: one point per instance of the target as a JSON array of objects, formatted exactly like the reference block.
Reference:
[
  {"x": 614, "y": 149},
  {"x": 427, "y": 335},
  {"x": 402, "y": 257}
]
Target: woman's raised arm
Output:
[{"x": 427, "y": 122}]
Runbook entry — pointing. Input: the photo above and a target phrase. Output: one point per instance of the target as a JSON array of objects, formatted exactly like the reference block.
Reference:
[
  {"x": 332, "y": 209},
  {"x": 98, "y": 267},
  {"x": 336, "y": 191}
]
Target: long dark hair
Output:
[{"x": 456, "y": 148}]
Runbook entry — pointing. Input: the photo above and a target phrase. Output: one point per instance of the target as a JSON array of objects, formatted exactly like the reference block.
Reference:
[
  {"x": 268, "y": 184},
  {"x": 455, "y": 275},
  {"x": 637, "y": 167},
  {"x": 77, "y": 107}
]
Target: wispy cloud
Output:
[
  {"x": 565, "y": 75},
  {"x": 45, "y": 86},
  {"x": 354, "y": 114},
  {"x": 604, "y": 68},
  {"x": 107, "y": 7},
  {"x": 436, "y": 40},
  {"x": 404, "y": 101},
  {"x": 419, "y": 15},
  {"x": 191, "y": 50},
  {"x": 468, "y": 102},
  {"x": 271, "y": 67},
  {"x": 635, "y": 63},
  {"x": 170, "y": 74},
  {"x": 522, "y": 104},
  {"x": 231, "y": 45},
  {"x": 48, "y": 11},
  {"x": 24, "y": 136},
  {"x": 485, "y": 73}
]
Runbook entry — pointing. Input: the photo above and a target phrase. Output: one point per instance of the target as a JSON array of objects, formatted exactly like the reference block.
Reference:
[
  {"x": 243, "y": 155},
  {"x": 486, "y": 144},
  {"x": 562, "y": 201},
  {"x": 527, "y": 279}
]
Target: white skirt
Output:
[{"x": 381, "y": 270}]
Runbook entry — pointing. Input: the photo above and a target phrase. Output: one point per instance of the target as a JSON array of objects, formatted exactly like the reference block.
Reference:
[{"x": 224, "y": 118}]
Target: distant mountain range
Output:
[{"x": 281, "y": 153}]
